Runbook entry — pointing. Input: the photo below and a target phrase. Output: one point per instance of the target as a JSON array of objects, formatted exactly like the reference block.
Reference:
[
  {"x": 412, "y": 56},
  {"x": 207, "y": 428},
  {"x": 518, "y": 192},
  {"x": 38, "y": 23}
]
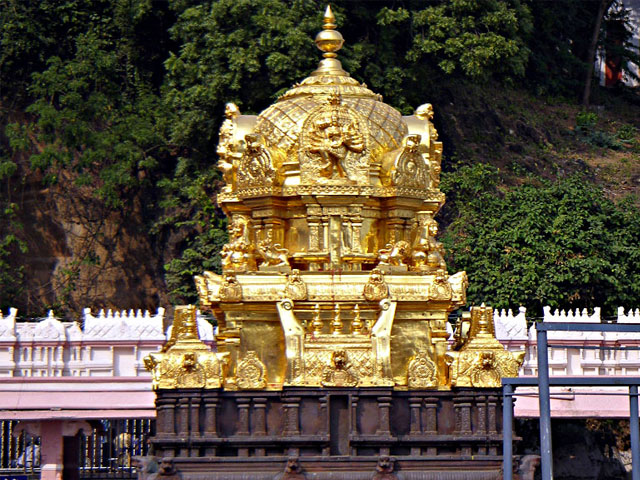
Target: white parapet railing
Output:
[{"x": 109, "y": 344}]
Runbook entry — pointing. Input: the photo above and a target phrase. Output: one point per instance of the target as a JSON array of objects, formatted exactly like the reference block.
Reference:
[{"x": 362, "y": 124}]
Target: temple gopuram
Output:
[{"x": 335, "y": 359}]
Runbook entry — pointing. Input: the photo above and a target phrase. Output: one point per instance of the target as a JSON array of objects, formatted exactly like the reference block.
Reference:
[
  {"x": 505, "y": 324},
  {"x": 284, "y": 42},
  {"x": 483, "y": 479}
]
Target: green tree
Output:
[{"x": 561, "y": 243}]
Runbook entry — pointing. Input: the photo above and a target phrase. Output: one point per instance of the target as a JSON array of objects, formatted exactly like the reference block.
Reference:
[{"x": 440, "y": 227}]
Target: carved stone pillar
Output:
[
  {"x": 291, "y": 416},
  {"x": 211, "y": 420},
  {"x": 415, "y": 404},
  {"x": 384, "y": 417},
  {"x": 492, "y": 420},
  {"x": 259, "y": 421},
  {"x": 462, "y": 407},
  {"x": 292, "y": 421},
  {"x": 430, "y": 421},
  {"x": 243, "y": 422},
  {"x": 183, "y": 423},
  {"x": 481, "y": 427},
  {"x": 324, "y": 421},
  {"x": 415, "y": 427},
  {"x": 194, "y": 417},
  {"x": 354, "y": 421},
  {"x": 166, "y": 416},
  {"x": 243, "y": 415}
]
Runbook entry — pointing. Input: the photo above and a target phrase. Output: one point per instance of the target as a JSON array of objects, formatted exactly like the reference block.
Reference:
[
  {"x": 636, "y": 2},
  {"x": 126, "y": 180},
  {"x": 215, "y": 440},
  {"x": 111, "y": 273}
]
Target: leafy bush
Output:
[{"x": 561, "y": 243}]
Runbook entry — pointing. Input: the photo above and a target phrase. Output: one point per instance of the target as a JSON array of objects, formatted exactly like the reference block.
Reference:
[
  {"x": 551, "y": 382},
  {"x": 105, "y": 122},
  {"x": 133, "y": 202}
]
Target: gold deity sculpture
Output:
[{"x": 332, "y": 276}]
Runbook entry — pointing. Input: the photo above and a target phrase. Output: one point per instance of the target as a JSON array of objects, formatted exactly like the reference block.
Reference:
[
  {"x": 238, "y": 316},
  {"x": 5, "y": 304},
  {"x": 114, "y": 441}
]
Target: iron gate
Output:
[{"x": 103, "y": 453}]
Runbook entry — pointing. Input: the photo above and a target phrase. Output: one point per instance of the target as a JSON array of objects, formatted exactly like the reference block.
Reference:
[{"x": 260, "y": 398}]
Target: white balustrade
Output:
[{"x": 111, "y": 343}]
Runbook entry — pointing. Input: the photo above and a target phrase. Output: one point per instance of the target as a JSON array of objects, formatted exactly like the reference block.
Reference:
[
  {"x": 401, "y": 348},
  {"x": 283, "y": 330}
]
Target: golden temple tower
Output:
[{"x": 332, "y": 276}]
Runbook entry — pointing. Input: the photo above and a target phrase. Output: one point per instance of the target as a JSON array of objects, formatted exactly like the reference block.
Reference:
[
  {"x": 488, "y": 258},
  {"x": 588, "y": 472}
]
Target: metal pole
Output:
[
  {"x": 635, "y": 436},
  {"x": 546, "y": 459},
  {"x": 507, "y": 432}
]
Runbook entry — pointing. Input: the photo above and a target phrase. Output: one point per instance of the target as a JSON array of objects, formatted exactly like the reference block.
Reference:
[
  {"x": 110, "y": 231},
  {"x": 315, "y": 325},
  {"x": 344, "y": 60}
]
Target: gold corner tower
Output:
[{"x": 332, "y": 276}]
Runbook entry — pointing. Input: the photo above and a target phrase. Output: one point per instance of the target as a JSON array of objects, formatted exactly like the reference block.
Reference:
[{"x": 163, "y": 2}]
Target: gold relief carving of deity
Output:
[
  {"x": 434, "y": 155},
  {"x": 409, "y": 167},
  {"x": 376, "y": 288},
  {"x": 295, "y": 288},
  {"x": 339, "y": 372},
  {"x": 427, "y": 254},
  {"x": 421, "y": 372},
  {"x": 251, "y": 373},
  {"x": 238, "y": 255},
  {"x": 258, "y": 165},
  {"x": 230, "y": 290},
  {"x": 228, "y": 150},
  {"x": 333, "y": 146}
]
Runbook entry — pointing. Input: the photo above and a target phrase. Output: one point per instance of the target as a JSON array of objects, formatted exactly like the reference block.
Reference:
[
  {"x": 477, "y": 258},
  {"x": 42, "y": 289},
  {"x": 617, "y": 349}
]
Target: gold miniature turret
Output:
[{"x": 333, "y": 275}]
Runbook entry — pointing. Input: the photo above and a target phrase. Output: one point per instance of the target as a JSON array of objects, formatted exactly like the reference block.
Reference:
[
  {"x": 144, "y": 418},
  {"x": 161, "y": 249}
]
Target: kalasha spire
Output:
[{"x": 329, "y": 41}]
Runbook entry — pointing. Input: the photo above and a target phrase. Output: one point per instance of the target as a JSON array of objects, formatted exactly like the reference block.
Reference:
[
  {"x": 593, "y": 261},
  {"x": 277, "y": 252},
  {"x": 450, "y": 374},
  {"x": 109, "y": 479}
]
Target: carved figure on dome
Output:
[
  {"x": 394, "y": 254},
  {"x": 227, "y": 149},
  {"x": 409, "y": 167},
  {"x": 257, "y": 164},
  {"x": 238, "y": 254},
  {"x": 434, "y": 156},
  {"x": 376, "y": 288},
  {"x": 296, "y": 289},
  {"x": 230, "y": 290},
  {"x": 427, "y": 254},
  {"x": 333, "y": 145},
  {"x": 339, "y": 372},
  {"x": 273, "y": 255}
]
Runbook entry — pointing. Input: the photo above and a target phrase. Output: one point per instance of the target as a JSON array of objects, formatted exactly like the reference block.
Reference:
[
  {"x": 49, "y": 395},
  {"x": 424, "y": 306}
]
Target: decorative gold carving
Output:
[
  {"x": 339, "y": 372},
  {"x": 481, "y": 361},
  {"x": 251, "y": 372},
  {"x": 333, "y": 146},
  {"x": 296, "y": 288},
  {"x": 238, "y": 255},
  {"x": 409, "y": 167},
  {"x": 394, "y": 254},
  {"x": 184, "y": 361},
  {"x": 227, "y": 149},
  {"x": 427, "y": 254},
  {"x": 421, "y": 372},
  {"x": 356, "y": 324},
  {"x": 258, "y": 165},
  {"x": 274, "y": 256},
  {"x": 230, "y": 290},
  {"x": 316, "y": 325},
  {"x": 336, "y": 324},
  {"x": 440, "y": 289},
  {"x": 376, "y": 289},
  {"x": 315, "y": 186}
]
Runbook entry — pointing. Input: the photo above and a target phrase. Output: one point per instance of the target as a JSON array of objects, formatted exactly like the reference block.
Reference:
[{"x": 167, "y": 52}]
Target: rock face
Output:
[{"x": 82, "y": 253}]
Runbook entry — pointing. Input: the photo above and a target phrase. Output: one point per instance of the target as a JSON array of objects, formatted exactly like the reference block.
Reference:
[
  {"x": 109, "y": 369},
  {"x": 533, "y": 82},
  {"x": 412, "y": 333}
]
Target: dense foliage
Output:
[
  {"x": 121, "y": 100},
  {"x": 560, "y": 243}
]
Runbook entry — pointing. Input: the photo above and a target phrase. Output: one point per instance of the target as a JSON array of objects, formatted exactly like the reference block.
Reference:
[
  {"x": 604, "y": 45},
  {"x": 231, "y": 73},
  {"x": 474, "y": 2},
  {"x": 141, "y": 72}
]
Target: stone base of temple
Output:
[{"x": 341, "y": 433}]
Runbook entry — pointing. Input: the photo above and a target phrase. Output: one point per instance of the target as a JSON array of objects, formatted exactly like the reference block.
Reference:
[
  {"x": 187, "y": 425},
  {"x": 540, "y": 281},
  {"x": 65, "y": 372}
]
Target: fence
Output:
[
  {"x": 543, "y": 382},
  {"x": 103, "y": 453}
]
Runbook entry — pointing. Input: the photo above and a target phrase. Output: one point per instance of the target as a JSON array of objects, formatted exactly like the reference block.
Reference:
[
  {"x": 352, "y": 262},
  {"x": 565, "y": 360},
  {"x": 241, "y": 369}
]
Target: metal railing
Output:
[
  {"x": 543, "y": 382},
  {"x": 103, "y": 453}
]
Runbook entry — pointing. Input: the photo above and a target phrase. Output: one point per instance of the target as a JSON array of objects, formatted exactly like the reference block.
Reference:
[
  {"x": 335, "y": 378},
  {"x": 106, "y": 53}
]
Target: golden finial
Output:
[
  {"x": 356, "y": 324},
  {"x": 329, "y": 41},
  {"x": 316, "y": 324},
  {"x": 336, "y": 324}
]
